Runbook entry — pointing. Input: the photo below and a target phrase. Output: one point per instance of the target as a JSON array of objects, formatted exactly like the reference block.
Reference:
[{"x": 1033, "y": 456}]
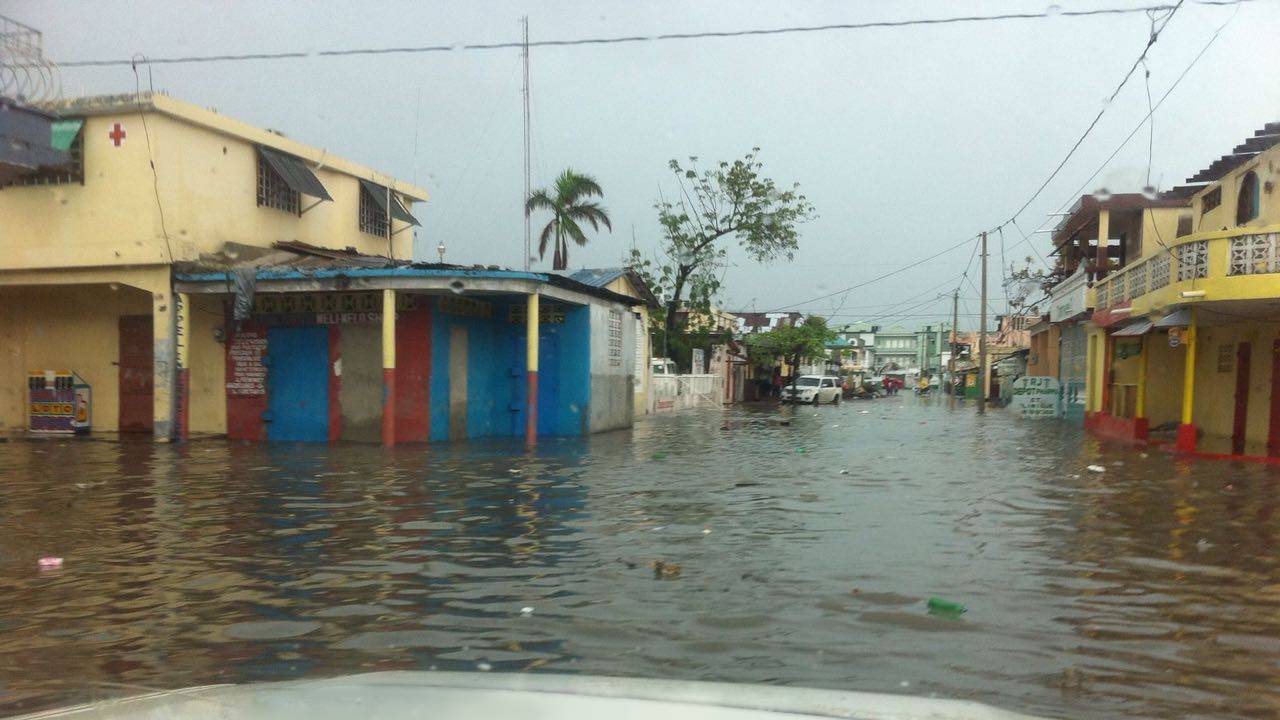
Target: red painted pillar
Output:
[
  {"x": 388, "y": 367},
  {"x": 531, "y": 363}
]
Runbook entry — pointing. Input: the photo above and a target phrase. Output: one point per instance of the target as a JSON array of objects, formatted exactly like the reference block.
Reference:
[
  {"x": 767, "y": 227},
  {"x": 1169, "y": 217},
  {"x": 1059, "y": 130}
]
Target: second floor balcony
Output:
[{"x": 1237, "y": 264}]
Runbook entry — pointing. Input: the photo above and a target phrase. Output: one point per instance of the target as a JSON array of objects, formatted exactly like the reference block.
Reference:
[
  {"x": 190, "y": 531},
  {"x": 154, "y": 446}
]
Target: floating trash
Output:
[
  {"x": 49, "y": 562},
  {"x": 706, "y": 531},
  {"x": 659, "y": 455},
  {"x": 1096, "y": 468},
  {"x": 946, "y": 608},
  {"x": 844, "y": 472},
  {"x": 800, "y": 450},
  {"x": 526, "y": 611}
]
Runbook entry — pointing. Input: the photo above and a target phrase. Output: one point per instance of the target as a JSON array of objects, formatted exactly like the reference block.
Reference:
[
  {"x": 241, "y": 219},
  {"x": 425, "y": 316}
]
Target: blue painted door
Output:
[
  {"x": 549, "y": 414},
  {"x": 298, "y": 383}
]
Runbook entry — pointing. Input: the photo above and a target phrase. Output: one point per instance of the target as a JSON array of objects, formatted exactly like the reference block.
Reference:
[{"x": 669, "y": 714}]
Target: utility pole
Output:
[
  {"x": 955, "y": 338},
  {"x": 524, "y": 202},
  {"x": 982, "y": 335}
]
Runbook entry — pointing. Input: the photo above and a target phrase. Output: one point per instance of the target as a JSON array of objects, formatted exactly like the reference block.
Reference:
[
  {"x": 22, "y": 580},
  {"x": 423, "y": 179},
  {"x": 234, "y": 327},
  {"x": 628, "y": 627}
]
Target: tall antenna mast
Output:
[{"x": 525, "y": 200}]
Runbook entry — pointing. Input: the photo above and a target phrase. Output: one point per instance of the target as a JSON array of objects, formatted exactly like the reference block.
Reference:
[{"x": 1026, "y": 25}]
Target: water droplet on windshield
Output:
[
  {"x": 1053, "y": 10},
  {"x": 1102, "y": 194},
  {"x": 1149, "y": 192}
]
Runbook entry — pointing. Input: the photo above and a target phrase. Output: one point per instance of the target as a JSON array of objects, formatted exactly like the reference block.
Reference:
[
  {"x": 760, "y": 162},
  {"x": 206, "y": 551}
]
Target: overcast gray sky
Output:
[{"x": 907, "y": 140}]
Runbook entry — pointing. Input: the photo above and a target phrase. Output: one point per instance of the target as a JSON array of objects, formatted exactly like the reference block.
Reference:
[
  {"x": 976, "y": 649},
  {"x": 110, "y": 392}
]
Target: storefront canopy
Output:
[
  {"x": 1138, "y": 327},
  {"x": 1177, "y": 318}
]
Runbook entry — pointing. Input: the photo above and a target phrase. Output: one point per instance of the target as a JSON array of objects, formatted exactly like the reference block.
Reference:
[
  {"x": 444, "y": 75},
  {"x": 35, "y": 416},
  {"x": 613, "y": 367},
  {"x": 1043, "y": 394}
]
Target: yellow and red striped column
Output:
[
  {"x": 388, "y": 367},
  {"x": 531, "y": 363}
]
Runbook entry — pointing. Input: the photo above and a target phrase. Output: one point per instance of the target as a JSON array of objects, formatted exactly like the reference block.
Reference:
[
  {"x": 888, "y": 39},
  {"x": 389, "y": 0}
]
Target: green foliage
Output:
[
  {"x": 794, "y": 343},
  {"x": 570, "y": 206},
  {"x": 729, "y": 202}
]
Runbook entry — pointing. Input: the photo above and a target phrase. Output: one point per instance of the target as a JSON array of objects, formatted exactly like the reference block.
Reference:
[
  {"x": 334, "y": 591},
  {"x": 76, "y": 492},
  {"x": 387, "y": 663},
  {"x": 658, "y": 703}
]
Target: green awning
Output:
[
  {"x": 378, "y": 193},
  {"x": 63, "y": 133}
]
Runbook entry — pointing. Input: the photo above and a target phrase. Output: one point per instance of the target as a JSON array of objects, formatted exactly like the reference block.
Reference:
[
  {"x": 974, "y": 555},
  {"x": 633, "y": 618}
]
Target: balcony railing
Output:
[{"x": 1244, "y": 251}]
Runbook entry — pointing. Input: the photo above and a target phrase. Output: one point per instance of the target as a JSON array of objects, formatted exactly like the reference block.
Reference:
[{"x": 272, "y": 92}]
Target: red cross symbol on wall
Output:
[{"x": 117, "y": 134}]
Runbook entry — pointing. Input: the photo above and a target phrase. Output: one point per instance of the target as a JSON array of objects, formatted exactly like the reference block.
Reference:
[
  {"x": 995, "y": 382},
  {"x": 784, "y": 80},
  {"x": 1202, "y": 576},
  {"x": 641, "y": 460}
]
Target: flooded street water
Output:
[{"x": 798, "y": 554}]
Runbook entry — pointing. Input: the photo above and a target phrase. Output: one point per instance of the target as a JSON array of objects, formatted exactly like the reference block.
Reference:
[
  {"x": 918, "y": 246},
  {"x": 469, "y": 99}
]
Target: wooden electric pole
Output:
[
  {"x": 955, "y": 339},
  {"x": 982, "y": 335}
]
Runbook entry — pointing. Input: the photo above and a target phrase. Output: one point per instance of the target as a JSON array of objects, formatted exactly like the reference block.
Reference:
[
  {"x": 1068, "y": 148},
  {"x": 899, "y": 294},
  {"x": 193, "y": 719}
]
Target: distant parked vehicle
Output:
[
  {"x": 813, "y": 389},
  {"x": 662, "y": 366}
]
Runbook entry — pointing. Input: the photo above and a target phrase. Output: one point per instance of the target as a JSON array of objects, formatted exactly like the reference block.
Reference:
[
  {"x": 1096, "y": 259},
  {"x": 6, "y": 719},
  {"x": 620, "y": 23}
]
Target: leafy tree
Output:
[
  {"x": 730, "y": 202},
  {"x": 793, "y": 343},
  {"x": 570, "y": 206}
]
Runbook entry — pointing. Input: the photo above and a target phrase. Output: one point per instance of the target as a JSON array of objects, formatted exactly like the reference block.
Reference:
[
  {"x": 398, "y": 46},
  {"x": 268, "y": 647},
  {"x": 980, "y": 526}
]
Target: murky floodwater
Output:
[{"x": 1151, "y": 589}]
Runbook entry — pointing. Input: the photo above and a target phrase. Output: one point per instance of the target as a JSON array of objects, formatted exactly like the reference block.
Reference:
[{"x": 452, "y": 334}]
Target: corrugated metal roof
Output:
[{"x": 598, "y": 277}]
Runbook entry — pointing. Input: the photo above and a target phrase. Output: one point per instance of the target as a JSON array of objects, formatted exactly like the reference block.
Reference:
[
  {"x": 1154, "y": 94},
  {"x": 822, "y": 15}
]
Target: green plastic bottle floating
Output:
[{"x": 940, "y": 606}]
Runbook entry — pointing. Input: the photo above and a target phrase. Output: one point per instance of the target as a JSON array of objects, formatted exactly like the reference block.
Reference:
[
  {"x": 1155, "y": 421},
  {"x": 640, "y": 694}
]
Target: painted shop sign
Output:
[
  {"x": 246, "y": 375},
  {"x": 327, "y": 303},
  {"x": 58, "y": 404},
  {"x": 1036, "y": 397}
]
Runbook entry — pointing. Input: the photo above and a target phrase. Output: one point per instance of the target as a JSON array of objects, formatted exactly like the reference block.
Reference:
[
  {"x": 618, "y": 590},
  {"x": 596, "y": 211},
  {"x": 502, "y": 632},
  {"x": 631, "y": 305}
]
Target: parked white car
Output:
[{"x": 813, "y": 389}]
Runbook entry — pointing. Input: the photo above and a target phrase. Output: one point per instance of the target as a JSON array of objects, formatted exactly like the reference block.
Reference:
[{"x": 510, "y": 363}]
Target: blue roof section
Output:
[
  {"x": 597, "y": 277},
  {"x": 409, "y": 271}
]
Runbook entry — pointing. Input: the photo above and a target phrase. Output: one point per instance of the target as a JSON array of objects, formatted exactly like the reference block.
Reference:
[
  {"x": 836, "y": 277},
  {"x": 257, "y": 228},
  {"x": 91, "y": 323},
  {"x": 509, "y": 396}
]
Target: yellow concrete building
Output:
[
  {"x": 150, "y": 182},
  {"x": 1188, "y": 335}
]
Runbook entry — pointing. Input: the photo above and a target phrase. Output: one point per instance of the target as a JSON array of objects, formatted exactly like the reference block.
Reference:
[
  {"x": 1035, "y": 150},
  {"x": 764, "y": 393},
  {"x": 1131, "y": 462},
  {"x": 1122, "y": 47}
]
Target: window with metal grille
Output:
[
  {"x": 274, "y": 192},
  {"x": 373, "y": 219},
  {"x": 72, "y": 172}
]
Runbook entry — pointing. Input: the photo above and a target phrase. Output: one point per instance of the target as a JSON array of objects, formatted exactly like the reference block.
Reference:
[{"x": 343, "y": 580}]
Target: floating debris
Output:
[
  {"x": 1096, "y": 468},
  {"x": 659, "y": 455},
  {"x": 49, "y": 562},
  {"x": 706, "y": 531},
  {"x": 946, "y": 608},
  {"x": 483, "y": 666},
  {"x": 844, "y": 472},
  {"x": 800, "y": 450},
  {"x": 526, "y": 611},
  {"x": 663, "y": 570}
]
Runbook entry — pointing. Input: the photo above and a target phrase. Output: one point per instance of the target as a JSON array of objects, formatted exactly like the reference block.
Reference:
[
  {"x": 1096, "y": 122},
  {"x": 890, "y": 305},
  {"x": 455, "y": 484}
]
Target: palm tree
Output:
[{"x": 569, "y": 205}]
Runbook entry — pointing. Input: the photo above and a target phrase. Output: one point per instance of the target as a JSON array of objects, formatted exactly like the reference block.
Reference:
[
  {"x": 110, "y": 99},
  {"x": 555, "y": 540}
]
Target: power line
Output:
[
  {"x": 878, "y": 278},
  {"x": 628, "y": 39},
  {"x": 1150, "y": 113},
  {"x": 1151, "y": 40}
]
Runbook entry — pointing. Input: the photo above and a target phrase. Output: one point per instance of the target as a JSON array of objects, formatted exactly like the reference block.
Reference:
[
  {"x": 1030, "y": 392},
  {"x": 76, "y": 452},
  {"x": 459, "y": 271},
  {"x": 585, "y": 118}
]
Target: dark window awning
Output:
[
  {"x": 1138, "y": 327},
  {"x": 294, "y": 172},
  {"x": 379, "y": 195},
  {"x": 1177, "y": 318}
]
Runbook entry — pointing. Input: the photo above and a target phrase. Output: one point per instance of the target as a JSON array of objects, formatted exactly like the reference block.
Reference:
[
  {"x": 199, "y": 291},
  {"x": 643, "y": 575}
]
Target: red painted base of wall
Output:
[
  {"x": 388, "y": 406},
  {"x": 1130, "y": 429},
  {"x": 1187, "y": 439},
  {"x": 531, "y": 410}
]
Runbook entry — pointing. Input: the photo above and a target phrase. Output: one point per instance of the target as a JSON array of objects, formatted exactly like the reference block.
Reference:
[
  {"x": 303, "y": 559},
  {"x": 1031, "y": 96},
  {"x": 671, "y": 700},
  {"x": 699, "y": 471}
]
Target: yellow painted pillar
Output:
[
  {"x": 1104, "y": 234},
  {"x": 163, "y": 361},
  {"x": 1187, "y": 430},
  {"x": 182, "y": 338},
  {"x": 531, "y": 355},
  {"x": 388, "y": 367}
]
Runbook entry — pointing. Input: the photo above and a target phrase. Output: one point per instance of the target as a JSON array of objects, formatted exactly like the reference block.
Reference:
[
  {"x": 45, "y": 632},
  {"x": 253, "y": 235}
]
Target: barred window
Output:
[
  {"x": 274, "y": 192},
  {"x": 373, "y": 219}
]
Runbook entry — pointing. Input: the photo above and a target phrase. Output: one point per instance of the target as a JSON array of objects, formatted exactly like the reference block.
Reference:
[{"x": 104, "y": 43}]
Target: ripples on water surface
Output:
[{"x": 1152, "y": 589}]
